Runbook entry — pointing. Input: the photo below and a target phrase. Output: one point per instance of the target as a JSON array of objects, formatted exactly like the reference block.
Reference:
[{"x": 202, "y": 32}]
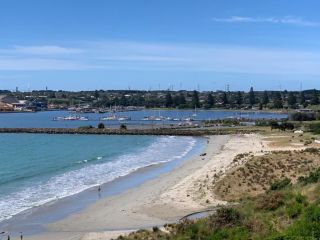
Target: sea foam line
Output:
[{"x": 76, "y": 181}]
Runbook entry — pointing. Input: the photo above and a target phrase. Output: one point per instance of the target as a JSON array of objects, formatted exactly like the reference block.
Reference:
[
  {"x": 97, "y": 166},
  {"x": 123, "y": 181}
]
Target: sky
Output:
[{"x": 168, "y": 44}]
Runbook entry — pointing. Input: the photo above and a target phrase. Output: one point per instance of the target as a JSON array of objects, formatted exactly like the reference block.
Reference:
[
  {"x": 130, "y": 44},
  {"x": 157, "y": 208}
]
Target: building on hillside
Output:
[
  {"x": 10, "y": 104},
  {"x": 6, "y": 103},
  {"x": 20, "y": 106},
  {"x": 4, "y": 107}
]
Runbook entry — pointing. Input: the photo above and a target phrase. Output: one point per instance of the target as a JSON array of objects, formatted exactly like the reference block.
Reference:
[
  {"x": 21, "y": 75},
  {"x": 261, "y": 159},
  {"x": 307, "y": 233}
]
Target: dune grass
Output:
[{"x": 284, "y": 211}]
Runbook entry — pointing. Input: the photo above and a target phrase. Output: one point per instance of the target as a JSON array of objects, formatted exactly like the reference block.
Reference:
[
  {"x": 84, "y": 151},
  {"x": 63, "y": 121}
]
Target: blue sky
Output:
[{"x": 148, "y": 44}]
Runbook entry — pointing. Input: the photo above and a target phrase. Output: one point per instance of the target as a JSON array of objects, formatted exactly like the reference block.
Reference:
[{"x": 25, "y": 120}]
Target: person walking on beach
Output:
[
  {"x": 21, "y": 236},
  {"x": 99, "y": 191}
]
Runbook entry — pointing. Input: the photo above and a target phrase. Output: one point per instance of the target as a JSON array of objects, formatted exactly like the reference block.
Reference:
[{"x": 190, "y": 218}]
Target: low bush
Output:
[
  {"x": 294, "y": 209},
  {"x": 280, "y": 184},
  {"x": 312, "y": 150},
  {"x": 315, "y": 127},
  {"x": 225, "y": 217},
  {"x": 301, "y": 116},
  {"x": 271, "y": 201},
  {"x": 155, "y": 229},
  {"x": 86, "y": 127},
  {"x": 313, "y": 177},
  {"x": 307, "y": 227}
]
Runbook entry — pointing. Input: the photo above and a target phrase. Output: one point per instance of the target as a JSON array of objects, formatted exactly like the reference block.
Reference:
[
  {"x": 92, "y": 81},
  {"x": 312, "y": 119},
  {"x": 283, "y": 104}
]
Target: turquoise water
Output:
[{"x": 37, "y": 169}]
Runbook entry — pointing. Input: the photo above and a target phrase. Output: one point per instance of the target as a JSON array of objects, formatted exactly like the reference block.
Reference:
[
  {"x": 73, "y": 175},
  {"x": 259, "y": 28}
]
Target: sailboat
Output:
[{"x": 195, "y": 112}]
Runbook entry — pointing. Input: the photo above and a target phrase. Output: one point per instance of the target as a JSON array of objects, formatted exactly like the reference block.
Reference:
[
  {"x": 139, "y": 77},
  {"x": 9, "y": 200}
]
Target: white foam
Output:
[{"x": 164, "y": 149}]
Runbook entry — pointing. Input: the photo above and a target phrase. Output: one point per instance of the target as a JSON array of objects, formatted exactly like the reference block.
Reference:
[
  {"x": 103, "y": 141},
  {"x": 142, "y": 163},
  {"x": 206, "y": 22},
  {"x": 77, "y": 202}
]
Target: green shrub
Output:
[
  {"x": 308, "y": 227},
  {"x": 123, "y": 127},
  {"x": 312, "y": 150},
  {"x": 313, "y": 177},
  {"x": 315, "y": 127},
  {"x": 270, "y": 201},
  {"x": 224, "y": 217},
  {"x": 301, "y": 199},
  {"x": 155, "y": 229},
  {"x": 294, "y": 210},
  {"x": 86, "y": 127},
  {"x": 234, "y": 233},
  {"x": 313, "y": 214},
  {"x": 280, "y": 184}
]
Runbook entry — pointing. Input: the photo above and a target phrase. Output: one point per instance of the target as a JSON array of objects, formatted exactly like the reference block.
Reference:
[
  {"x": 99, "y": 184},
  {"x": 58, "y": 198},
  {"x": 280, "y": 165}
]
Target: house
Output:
[
  {"x": 4, "y": 107},
  {"x": 20, "y": 106},
  {"x": 7, "y": 103},
  {"x": 10, "y": 103}
]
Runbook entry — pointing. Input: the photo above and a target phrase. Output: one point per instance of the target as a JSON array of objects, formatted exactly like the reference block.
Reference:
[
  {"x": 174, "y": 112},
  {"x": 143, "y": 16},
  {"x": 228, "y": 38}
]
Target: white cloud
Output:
[
  {"x": 40, "y": 50},
  {"x": 39, "y": 64},
  {"x": 140, "y": 56},
  {"x": 297, "y": 21}
]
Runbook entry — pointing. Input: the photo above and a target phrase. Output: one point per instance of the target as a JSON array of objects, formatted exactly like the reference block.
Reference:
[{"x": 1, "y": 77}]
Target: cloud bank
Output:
[
  {"x": 289, "y": 20},
  {"x": 141, "y": 56}
]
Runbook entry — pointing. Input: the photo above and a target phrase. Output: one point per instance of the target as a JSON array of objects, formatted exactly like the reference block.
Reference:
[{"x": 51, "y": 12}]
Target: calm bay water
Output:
[
  {"x": 45, "y": 119},
  {"x": 36, "y": 169}
]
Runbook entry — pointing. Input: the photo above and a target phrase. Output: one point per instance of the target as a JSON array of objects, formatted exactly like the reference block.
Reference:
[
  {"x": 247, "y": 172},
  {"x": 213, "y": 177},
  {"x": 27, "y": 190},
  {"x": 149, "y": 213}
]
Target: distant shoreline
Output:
[{"x": 279, "y": 111}]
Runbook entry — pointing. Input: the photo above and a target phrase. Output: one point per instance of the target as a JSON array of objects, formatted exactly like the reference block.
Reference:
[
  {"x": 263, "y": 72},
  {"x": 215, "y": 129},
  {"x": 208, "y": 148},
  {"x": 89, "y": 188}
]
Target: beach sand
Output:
[{"x": 162, "y": 200}]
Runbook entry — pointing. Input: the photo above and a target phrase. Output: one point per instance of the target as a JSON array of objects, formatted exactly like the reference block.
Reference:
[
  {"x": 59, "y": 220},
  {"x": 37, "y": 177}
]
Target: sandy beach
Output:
[{"x": 162, "y": 200}]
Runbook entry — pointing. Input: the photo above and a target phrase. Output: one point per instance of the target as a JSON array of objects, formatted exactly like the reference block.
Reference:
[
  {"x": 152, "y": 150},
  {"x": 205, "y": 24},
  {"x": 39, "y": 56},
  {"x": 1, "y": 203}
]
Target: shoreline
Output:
[
  {"x": 169, "y": 109},
  {"x": 162, "y": 200},
  {"x": 129, "y": 219},
  {"x": 28, "y": 220}
]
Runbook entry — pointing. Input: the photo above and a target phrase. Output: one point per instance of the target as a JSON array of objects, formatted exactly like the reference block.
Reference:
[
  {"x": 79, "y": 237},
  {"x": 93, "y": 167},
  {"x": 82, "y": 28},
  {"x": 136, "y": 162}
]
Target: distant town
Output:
[{"x": 131, "y": 100}]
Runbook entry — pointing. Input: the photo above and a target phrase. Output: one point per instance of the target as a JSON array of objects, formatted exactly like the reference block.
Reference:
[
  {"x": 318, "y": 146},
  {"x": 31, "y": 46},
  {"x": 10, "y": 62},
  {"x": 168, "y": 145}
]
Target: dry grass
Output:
[
  {"x": 255, "y": 176},
  {"x": 289, "y": 139}
]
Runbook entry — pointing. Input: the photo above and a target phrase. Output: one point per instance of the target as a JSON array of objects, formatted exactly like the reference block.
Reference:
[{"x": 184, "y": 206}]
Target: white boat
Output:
[
  {"x": 71, "y": 118},
  {"x": 195, "y": 112},
  {"x": 83, "y": 119},
  {"x": 153, "y": 118},
  {"x": 149, "y": 118},
  {"x": 109, "y": 118},
  {"x": 125, "y": 118},
  {"x": 58, "y": 118},
  {"x": 188, "y": 119}
]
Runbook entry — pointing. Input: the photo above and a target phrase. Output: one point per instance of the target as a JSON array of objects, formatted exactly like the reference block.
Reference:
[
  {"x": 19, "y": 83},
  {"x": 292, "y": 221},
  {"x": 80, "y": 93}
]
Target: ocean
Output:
[{"x": 38, "y": 169}]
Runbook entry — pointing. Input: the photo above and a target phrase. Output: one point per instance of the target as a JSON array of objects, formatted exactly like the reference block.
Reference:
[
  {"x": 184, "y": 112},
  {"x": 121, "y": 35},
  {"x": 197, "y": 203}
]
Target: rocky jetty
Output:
[{"x": 109, "y": 131}]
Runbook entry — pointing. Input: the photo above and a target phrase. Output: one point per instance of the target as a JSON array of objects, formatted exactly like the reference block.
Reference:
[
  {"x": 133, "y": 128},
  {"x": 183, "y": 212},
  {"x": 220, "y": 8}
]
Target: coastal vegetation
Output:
[
  {"x": 175, "y": 99},
  {"x": 286, "y": 205},
  {"x": 257, "y": 174}
]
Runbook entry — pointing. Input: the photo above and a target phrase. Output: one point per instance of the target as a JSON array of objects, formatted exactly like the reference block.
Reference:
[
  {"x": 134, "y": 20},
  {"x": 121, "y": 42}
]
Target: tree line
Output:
[{"x": 181, "y": 99}]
